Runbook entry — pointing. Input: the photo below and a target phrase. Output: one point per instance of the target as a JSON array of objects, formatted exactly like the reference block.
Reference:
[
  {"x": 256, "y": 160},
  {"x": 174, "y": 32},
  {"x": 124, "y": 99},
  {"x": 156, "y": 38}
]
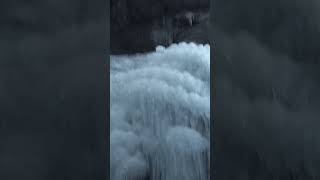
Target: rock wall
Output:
[{"x": 140, "y": 25}]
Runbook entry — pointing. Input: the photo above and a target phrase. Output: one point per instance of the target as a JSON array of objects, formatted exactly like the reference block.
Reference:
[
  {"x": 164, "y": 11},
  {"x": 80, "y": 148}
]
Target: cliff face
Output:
[
  {"x": 140, "y": 25},
  {"x": 52, "y": 94},
  {"x": 267, "y": 74}
]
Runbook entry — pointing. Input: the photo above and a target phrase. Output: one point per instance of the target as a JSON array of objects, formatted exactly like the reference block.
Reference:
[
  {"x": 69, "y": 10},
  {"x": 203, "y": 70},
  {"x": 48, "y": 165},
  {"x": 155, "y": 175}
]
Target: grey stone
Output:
[{"x": 141, "y": 25}]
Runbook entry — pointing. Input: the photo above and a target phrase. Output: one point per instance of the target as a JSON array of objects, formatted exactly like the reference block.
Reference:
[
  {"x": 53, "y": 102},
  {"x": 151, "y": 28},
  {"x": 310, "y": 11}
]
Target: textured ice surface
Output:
[{"x": 160, "y": 114}]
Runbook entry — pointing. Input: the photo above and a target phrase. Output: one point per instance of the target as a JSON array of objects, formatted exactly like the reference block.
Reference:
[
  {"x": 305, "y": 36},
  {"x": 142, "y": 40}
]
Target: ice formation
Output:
[{"x": 160, "y": 114}]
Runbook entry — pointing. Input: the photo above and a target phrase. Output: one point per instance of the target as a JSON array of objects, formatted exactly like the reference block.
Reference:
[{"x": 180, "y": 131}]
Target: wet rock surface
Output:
[{"x": 141, "y": 25}]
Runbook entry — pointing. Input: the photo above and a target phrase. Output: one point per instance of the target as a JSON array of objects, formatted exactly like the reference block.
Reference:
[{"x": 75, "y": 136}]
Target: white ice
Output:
[{"x": 160, "y": 114}]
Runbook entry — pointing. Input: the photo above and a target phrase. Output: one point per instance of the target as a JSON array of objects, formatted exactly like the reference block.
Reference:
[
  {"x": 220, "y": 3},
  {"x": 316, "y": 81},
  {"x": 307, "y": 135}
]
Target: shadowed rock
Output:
[{"x": 140, "y": 25}]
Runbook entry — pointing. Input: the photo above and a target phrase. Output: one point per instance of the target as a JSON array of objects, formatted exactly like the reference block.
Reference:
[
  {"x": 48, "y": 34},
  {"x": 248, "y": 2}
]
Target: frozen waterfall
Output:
[{"x": 160, "y": 114}]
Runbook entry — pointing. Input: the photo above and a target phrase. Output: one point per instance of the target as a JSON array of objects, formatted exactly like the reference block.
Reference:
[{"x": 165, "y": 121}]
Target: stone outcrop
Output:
[{"x": 140, "y": 25}]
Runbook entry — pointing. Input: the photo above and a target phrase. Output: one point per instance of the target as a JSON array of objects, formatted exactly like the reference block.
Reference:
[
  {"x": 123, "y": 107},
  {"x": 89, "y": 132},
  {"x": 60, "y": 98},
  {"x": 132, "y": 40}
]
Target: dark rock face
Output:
[
  {"x": 52, "y": 93},
  {"x": 266, "y": 89},
  {"x": 289, "y": 27},
  {"x": 47, "y": 16},
  {"x": 140, "y": 25}
]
